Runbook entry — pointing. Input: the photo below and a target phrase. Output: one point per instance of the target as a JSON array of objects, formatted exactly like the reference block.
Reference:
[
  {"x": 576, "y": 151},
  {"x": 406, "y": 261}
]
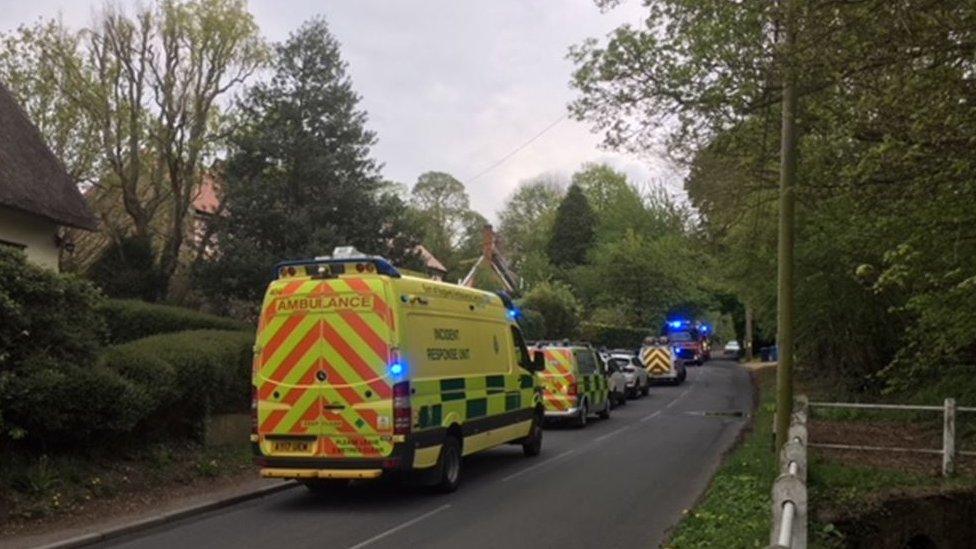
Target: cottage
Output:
[{"x": 37, "y": 196}]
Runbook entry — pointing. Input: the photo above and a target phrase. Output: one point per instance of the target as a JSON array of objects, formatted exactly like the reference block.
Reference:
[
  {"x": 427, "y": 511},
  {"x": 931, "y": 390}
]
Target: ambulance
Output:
[
  {"x": 360, "y": 371},
  {"x": 574, "y": 383},
  {"x": 661, "y": 362}
]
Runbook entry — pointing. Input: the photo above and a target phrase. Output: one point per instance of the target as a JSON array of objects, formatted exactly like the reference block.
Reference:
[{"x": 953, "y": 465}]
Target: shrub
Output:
[
  {"x": 613, "y": 337},
  {"x": 45, "y": 312},
  {"x": 558, "y": 307},
  {"x": 130, "y": 319},
  {"x": 54, "y": 404},
  {"x": 192, "y": 373},
  {"x": 49, "y": 335}
]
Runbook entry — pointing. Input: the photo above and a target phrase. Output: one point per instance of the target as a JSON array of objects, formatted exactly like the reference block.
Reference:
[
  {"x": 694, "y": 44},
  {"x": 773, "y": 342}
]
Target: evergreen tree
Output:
[
  {"x": 300, "y": 179},
  {"x": 573, "y": 230}
]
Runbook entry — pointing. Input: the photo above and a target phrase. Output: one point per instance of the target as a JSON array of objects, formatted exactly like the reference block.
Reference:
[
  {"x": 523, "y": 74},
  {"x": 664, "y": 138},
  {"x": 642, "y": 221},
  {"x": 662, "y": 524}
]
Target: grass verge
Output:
[
  {"x": 735, "y": 510},
  {"x": 37, "y": 491}
]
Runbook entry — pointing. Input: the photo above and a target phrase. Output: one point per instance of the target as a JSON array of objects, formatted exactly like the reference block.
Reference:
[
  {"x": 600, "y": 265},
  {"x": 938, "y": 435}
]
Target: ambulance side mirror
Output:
[{"x": 538, "y": 362}]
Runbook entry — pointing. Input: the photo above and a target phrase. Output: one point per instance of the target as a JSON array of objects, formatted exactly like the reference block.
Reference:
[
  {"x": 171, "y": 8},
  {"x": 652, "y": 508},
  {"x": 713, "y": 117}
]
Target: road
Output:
[{"x": 617, "y": 483}]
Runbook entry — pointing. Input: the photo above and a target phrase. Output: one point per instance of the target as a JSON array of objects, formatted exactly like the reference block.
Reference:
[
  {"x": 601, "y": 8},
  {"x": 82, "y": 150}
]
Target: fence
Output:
[
  {"x": 790, "y": 489},
  {"x": 789, "y": 529},
  {"x": 948, "y": 450}
]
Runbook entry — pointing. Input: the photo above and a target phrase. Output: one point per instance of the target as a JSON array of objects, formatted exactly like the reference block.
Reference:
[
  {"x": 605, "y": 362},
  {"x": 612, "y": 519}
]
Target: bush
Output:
[
  {"x": 558, "y": 307},
  {"x": 47, "y": 322},
  {"x": 57, "y": 405},
  {"x": 45, "y": 312},
  {"x": 129, "y": 320},
  {"x": 613, "y": 337},
  {"x": 188, "y": 375}
]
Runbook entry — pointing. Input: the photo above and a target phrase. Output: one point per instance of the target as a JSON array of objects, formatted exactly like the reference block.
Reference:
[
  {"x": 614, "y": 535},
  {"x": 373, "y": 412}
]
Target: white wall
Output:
[{"x": 34, "y": 232}]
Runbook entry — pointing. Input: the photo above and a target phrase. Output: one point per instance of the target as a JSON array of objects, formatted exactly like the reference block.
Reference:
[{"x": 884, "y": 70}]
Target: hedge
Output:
[
  {"x": 187, "y": 376},
  {"x": 613, "y": 337},
  {"x": 129, "y": 320}
]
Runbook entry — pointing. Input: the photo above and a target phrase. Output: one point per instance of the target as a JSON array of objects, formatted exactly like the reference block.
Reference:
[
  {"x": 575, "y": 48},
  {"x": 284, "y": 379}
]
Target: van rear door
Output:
[
  {"x": 321, "y": 368},
  {"x": 558, "y": 380}
]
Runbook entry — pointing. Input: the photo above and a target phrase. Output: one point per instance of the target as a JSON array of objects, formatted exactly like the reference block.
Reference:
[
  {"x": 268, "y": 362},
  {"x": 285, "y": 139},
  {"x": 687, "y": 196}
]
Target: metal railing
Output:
[
  {"x": 948, "y": 451},
  {"x": 790, "y": 489}
]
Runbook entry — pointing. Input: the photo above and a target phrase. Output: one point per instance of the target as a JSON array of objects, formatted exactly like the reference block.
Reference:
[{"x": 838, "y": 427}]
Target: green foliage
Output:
[
  {"x": 533, "y": 325},
  {"x": 734, "y": 512},
  {"x": 526, "y": 226},
  {"x": 59, "y": 404},
  {"x": 186, "y": 376},
  {"x": 558, "y": 306},
  {"x": 613, "y": 336},
  {"x": 299, "y": 178},
  {"x": 49, "y": 336},
  {"x": 884, "y": 249},
  {"x": 128, "y": 320},
  {"x": 127, "y": 269},
  {"x": 573, "y": 230}
]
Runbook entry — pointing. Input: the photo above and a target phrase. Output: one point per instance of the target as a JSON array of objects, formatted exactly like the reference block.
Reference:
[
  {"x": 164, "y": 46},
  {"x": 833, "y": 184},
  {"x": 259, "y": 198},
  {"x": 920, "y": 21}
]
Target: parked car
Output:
[
  {"x": 638, "y": 382},
  {"x": 733, "y": 350},
  {"x": 616, "y": 381}
]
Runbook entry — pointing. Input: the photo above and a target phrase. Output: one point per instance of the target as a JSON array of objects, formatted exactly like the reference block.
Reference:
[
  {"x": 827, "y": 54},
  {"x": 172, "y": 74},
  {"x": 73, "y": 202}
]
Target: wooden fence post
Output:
[{"x": 949, "y": 438}]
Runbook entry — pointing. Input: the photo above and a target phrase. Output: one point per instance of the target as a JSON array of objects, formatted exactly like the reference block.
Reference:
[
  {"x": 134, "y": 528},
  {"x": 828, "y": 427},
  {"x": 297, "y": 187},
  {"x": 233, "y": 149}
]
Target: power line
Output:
[{"x": 502, "y": 160}]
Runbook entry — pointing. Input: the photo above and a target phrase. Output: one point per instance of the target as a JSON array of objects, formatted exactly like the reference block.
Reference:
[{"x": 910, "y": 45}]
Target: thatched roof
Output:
[{"x": 32, "y": 179}]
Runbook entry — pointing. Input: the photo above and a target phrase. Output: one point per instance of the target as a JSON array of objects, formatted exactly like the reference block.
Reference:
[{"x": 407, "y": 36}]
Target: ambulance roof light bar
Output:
[{"x": 344, "y": 254}]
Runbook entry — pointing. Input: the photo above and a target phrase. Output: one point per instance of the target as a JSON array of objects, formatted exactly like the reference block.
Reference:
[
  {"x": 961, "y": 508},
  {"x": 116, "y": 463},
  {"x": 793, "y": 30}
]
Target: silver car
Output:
[{"x": 637, "y": 381}]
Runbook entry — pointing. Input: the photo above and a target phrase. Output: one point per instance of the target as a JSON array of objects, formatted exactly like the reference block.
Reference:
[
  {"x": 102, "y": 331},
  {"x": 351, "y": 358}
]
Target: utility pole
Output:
[{"x": 787, "y": 181}]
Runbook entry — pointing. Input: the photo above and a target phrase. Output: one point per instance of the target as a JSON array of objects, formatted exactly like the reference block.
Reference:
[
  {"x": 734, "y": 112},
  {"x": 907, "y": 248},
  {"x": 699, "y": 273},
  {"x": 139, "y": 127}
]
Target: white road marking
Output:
[
  {"x": 675, "y": 401},
  {"x": 650, "y": 416},
  {"x": 537, "y": 465},
  {"x": 395, "y": 529},
  {"x": 611, "y": 433}
]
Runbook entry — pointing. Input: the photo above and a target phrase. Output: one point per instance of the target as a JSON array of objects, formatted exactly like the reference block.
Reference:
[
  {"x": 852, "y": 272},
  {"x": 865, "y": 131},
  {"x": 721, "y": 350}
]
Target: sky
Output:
[{"x": 453, "y": 86}]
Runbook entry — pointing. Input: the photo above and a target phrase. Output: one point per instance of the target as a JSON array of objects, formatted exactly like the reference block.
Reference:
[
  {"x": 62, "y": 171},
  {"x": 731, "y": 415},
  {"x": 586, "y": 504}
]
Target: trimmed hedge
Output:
[
  {"x": 186, "y": 376},
  {"x": 130, "y": 319},
  {"x": 613, "y": 337}
]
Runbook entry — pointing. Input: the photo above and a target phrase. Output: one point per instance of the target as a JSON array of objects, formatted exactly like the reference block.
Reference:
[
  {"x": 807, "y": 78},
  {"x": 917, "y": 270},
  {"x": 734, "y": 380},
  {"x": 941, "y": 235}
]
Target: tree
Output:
[
  {"x": 443, "y": 202},
  {"x": 151, "y": 83},
  {"x": 559, "y": 308},
  {"x": 300, "y": 179},
  {"x": 25, "y": 70},
  {"x": 526, "y": 225},
  {"x": 573, "y": 230}
]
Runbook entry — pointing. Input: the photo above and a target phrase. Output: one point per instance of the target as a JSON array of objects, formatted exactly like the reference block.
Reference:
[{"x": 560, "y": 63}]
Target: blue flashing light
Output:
[
  {"x": 396, "y": 368},
  {"x": 676, "y": 323},
  {"x": 514, "y": 313}
]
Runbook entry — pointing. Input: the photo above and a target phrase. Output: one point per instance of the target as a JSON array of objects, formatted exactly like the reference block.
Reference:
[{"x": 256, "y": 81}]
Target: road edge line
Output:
[{"x": 164, "y": 518}]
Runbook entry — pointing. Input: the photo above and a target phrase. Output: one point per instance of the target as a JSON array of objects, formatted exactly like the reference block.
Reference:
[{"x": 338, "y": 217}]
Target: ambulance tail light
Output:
[
  {"x": 402, "y": 414},
  {"x": 572, "y": 389}
]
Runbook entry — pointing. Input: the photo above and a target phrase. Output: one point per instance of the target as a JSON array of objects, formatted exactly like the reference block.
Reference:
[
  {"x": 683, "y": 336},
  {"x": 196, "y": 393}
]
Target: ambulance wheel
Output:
[
  {"x": 580, "y": 420},
  {"x": 605, "y": 412},
  {"x": 449, "y": 466},
  {"x": 532, "y": 446}
]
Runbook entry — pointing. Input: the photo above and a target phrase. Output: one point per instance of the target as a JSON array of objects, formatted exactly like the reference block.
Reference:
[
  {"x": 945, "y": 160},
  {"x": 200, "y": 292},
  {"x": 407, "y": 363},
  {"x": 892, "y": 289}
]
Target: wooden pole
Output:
[{"x": 787, "y": 181}]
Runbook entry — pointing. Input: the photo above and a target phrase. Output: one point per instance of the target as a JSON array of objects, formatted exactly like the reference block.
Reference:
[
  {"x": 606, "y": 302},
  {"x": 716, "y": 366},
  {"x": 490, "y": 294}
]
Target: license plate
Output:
[{"x": 290, "y": 446}]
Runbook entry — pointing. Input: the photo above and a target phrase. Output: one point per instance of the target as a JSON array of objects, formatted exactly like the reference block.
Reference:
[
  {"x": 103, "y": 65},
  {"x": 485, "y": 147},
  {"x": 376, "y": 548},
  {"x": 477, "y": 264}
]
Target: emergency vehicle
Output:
[
  {"x": 361, "y": 371},
  {"x": 689, "y": 340},
  {"x": 574, "y": 382},
  {"x": 661, "y": 363}
]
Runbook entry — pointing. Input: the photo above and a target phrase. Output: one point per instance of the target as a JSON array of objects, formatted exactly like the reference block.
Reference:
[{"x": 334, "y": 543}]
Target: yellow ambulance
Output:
[
  {"x": 361, "y": 371},
  {"x": 574, "y": 383}
]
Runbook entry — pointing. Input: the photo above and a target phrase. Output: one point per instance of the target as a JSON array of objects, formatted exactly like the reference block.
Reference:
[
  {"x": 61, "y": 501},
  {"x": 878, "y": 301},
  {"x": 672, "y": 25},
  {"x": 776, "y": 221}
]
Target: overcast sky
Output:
[{"x": 449, "y": 85}]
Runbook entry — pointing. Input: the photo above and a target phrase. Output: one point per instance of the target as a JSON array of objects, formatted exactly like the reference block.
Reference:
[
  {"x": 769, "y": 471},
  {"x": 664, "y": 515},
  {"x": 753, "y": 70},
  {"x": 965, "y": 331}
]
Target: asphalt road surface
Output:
[{"x": 622, "y": 482}]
